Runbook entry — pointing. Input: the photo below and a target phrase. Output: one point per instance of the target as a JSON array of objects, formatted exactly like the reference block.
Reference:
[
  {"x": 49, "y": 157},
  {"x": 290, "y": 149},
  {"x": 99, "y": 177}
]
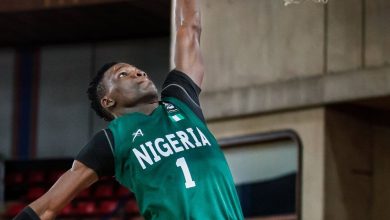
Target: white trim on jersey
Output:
[
  {"x": 109, "y": 141},
  {"x": 185, "y": 91}
]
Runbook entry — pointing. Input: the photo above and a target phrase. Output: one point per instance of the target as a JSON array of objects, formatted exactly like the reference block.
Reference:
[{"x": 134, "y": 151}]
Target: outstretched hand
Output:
[{"x": 188, "y": 57}]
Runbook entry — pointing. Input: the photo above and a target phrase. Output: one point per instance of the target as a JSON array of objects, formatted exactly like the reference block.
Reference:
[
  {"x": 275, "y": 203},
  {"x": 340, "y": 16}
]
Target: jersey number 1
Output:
[{"x": 181, "y": 162}]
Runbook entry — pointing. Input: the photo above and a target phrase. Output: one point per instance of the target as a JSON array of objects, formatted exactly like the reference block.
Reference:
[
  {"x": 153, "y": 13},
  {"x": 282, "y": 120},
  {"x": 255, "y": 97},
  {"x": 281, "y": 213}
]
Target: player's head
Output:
[{"x": 119, "y": 85}]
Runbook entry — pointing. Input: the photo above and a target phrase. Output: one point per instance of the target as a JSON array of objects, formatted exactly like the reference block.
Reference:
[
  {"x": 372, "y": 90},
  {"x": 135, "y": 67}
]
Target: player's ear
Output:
[{"x": 107, "y": 102}]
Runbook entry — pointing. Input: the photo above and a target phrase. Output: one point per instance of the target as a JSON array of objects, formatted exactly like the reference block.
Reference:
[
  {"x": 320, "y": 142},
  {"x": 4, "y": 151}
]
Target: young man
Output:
[{"x": 160, "y": 150}]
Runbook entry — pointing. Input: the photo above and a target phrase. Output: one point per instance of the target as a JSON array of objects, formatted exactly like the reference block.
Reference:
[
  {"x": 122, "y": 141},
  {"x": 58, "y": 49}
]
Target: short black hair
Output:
[{"x": 96, "y": 92}]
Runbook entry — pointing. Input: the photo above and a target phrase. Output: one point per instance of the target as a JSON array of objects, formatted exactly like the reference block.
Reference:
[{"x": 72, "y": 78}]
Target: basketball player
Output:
[{"x": 160, "y": 150}]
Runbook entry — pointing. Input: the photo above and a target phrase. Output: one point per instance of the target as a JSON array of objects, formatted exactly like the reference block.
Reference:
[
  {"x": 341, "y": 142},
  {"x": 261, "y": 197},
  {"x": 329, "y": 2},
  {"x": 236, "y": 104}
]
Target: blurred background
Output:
[{"x": 298, "y": 96}]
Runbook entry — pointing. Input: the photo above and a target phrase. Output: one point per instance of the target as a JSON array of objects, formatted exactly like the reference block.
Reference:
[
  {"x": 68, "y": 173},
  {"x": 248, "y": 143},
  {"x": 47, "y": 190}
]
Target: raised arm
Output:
[
  {"x": 62, "y": 192},
  {"x": 188, "y": 57}
]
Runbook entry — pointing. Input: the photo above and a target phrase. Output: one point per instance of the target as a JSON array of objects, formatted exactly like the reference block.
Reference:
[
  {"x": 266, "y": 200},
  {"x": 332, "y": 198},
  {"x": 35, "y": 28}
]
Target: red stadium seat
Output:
[
  {"x": 85, "y": 208},
  {"x": 36, "y": 176},
  {"x": 55, "y": 175},
  {"x": 14, "y": 208},
  {"x": 122, "y": 192},
  {"x": 14, "y": 178},
  {"x": 84, "y": 194},
  {"x": 67, "y": 210},
  {"x": 104, "y": 190},
  {"x": 35, "y": 193},
  {"x": 132, "y": 207},
  {"x": 108, "y": 206}
]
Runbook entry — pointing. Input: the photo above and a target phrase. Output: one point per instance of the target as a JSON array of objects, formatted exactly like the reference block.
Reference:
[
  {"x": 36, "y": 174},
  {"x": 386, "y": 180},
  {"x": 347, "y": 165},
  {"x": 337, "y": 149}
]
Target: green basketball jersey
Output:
[{"x": 174, "y": 165}]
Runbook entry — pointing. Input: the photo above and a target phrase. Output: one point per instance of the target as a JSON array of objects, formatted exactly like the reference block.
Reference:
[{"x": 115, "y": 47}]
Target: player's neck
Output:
[{"x": 145, "y": 108}]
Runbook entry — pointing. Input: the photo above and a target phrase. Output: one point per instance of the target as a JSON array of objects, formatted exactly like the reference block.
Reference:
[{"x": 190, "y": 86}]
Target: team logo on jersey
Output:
[
  {"x": 177, "y": 117},
  {"x": 170, "y": 108},
  {"x": 138, "y": 133}
]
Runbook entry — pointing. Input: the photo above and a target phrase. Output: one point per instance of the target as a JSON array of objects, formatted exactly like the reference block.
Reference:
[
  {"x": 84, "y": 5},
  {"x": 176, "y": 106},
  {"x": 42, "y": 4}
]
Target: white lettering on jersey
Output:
[
  {"x": 197, "y": 143},
  {"x": 169, "y": 145},
  {"x": 141, "y": 157},
  {"x": 203, "y": 138},
  {"x": 150, "y": 145},
  {"x": 184, "y": 139},
  {"x": 174, "y": 143},
  {"x": 168, "y": 151}
]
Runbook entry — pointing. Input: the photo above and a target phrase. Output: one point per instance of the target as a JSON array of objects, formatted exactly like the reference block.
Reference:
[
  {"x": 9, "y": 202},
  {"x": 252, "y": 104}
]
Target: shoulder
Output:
[
  {"x": 98, "y": 154},
  {"x": 181, "y": 81},
  {"x": 180, "y": 86}
]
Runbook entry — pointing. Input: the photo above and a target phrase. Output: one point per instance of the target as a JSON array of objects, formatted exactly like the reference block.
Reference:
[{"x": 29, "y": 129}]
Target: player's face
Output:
[{"x": 129, "y": 86}]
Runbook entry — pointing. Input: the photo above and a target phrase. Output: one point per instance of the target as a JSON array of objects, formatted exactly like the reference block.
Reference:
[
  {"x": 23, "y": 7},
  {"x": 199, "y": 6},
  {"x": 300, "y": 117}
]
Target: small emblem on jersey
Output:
[
  {"x": 176, "y": 118},
  {"x": 170, "y": 108},
  {"x": 138, "y": 133}
]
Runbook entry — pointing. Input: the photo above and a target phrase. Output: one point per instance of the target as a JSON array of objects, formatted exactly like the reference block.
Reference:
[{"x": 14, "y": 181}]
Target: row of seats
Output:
[
  {"x": 32, "y": 177},
  {"x": 85, "y": 208},
  {"x": 26, "y": 181},
  {"x": 104, "y": 207},
  {"x": 107, "y": 190}
]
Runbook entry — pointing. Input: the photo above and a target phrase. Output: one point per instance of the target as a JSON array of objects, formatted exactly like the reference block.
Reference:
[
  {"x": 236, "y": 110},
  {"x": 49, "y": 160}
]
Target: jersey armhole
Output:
[
  {"x": 184, "y": 90},
  {"x": 109, "y": 142}
]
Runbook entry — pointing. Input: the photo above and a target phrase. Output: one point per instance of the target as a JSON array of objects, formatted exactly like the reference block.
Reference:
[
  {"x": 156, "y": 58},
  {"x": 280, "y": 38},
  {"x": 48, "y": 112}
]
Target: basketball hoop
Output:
[{"x": 289, "y": 2}]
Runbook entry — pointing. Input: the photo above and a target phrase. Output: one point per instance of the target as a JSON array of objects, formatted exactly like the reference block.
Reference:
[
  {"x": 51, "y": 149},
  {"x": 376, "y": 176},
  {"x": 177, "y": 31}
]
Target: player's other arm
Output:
[
  {"x": 61, "y": 193},
  {"x": 188, "y": 57}
]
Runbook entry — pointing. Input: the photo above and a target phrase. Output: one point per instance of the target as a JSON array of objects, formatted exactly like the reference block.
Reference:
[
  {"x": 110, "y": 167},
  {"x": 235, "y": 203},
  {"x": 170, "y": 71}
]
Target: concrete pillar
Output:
[
  {"x": 377, "y": 33},
  {"x": 345, "y": 35},
  {"x": 309, "y": 125},
  {"x": 381, "y": 175},
  {"x": 348, "y": 162}
]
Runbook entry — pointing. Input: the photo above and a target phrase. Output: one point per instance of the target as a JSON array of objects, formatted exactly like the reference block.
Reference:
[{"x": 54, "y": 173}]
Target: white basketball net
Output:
[{"x": 289, "y": 2}]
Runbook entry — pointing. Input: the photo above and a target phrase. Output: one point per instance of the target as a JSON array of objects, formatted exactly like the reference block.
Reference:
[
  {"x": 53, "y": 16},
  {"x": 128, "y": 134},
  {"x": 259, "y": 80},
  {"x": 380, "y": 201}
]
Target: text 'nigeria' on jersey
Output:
[{"x": 153, "y": 151}]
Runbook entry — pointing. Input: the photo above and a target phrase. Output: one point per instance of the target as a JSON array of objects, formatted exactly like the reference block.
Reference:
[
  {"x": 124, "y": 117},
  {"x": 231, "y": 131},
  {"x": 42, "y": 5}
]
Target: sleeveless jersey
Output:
[{"x": 173, "y": 165}]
